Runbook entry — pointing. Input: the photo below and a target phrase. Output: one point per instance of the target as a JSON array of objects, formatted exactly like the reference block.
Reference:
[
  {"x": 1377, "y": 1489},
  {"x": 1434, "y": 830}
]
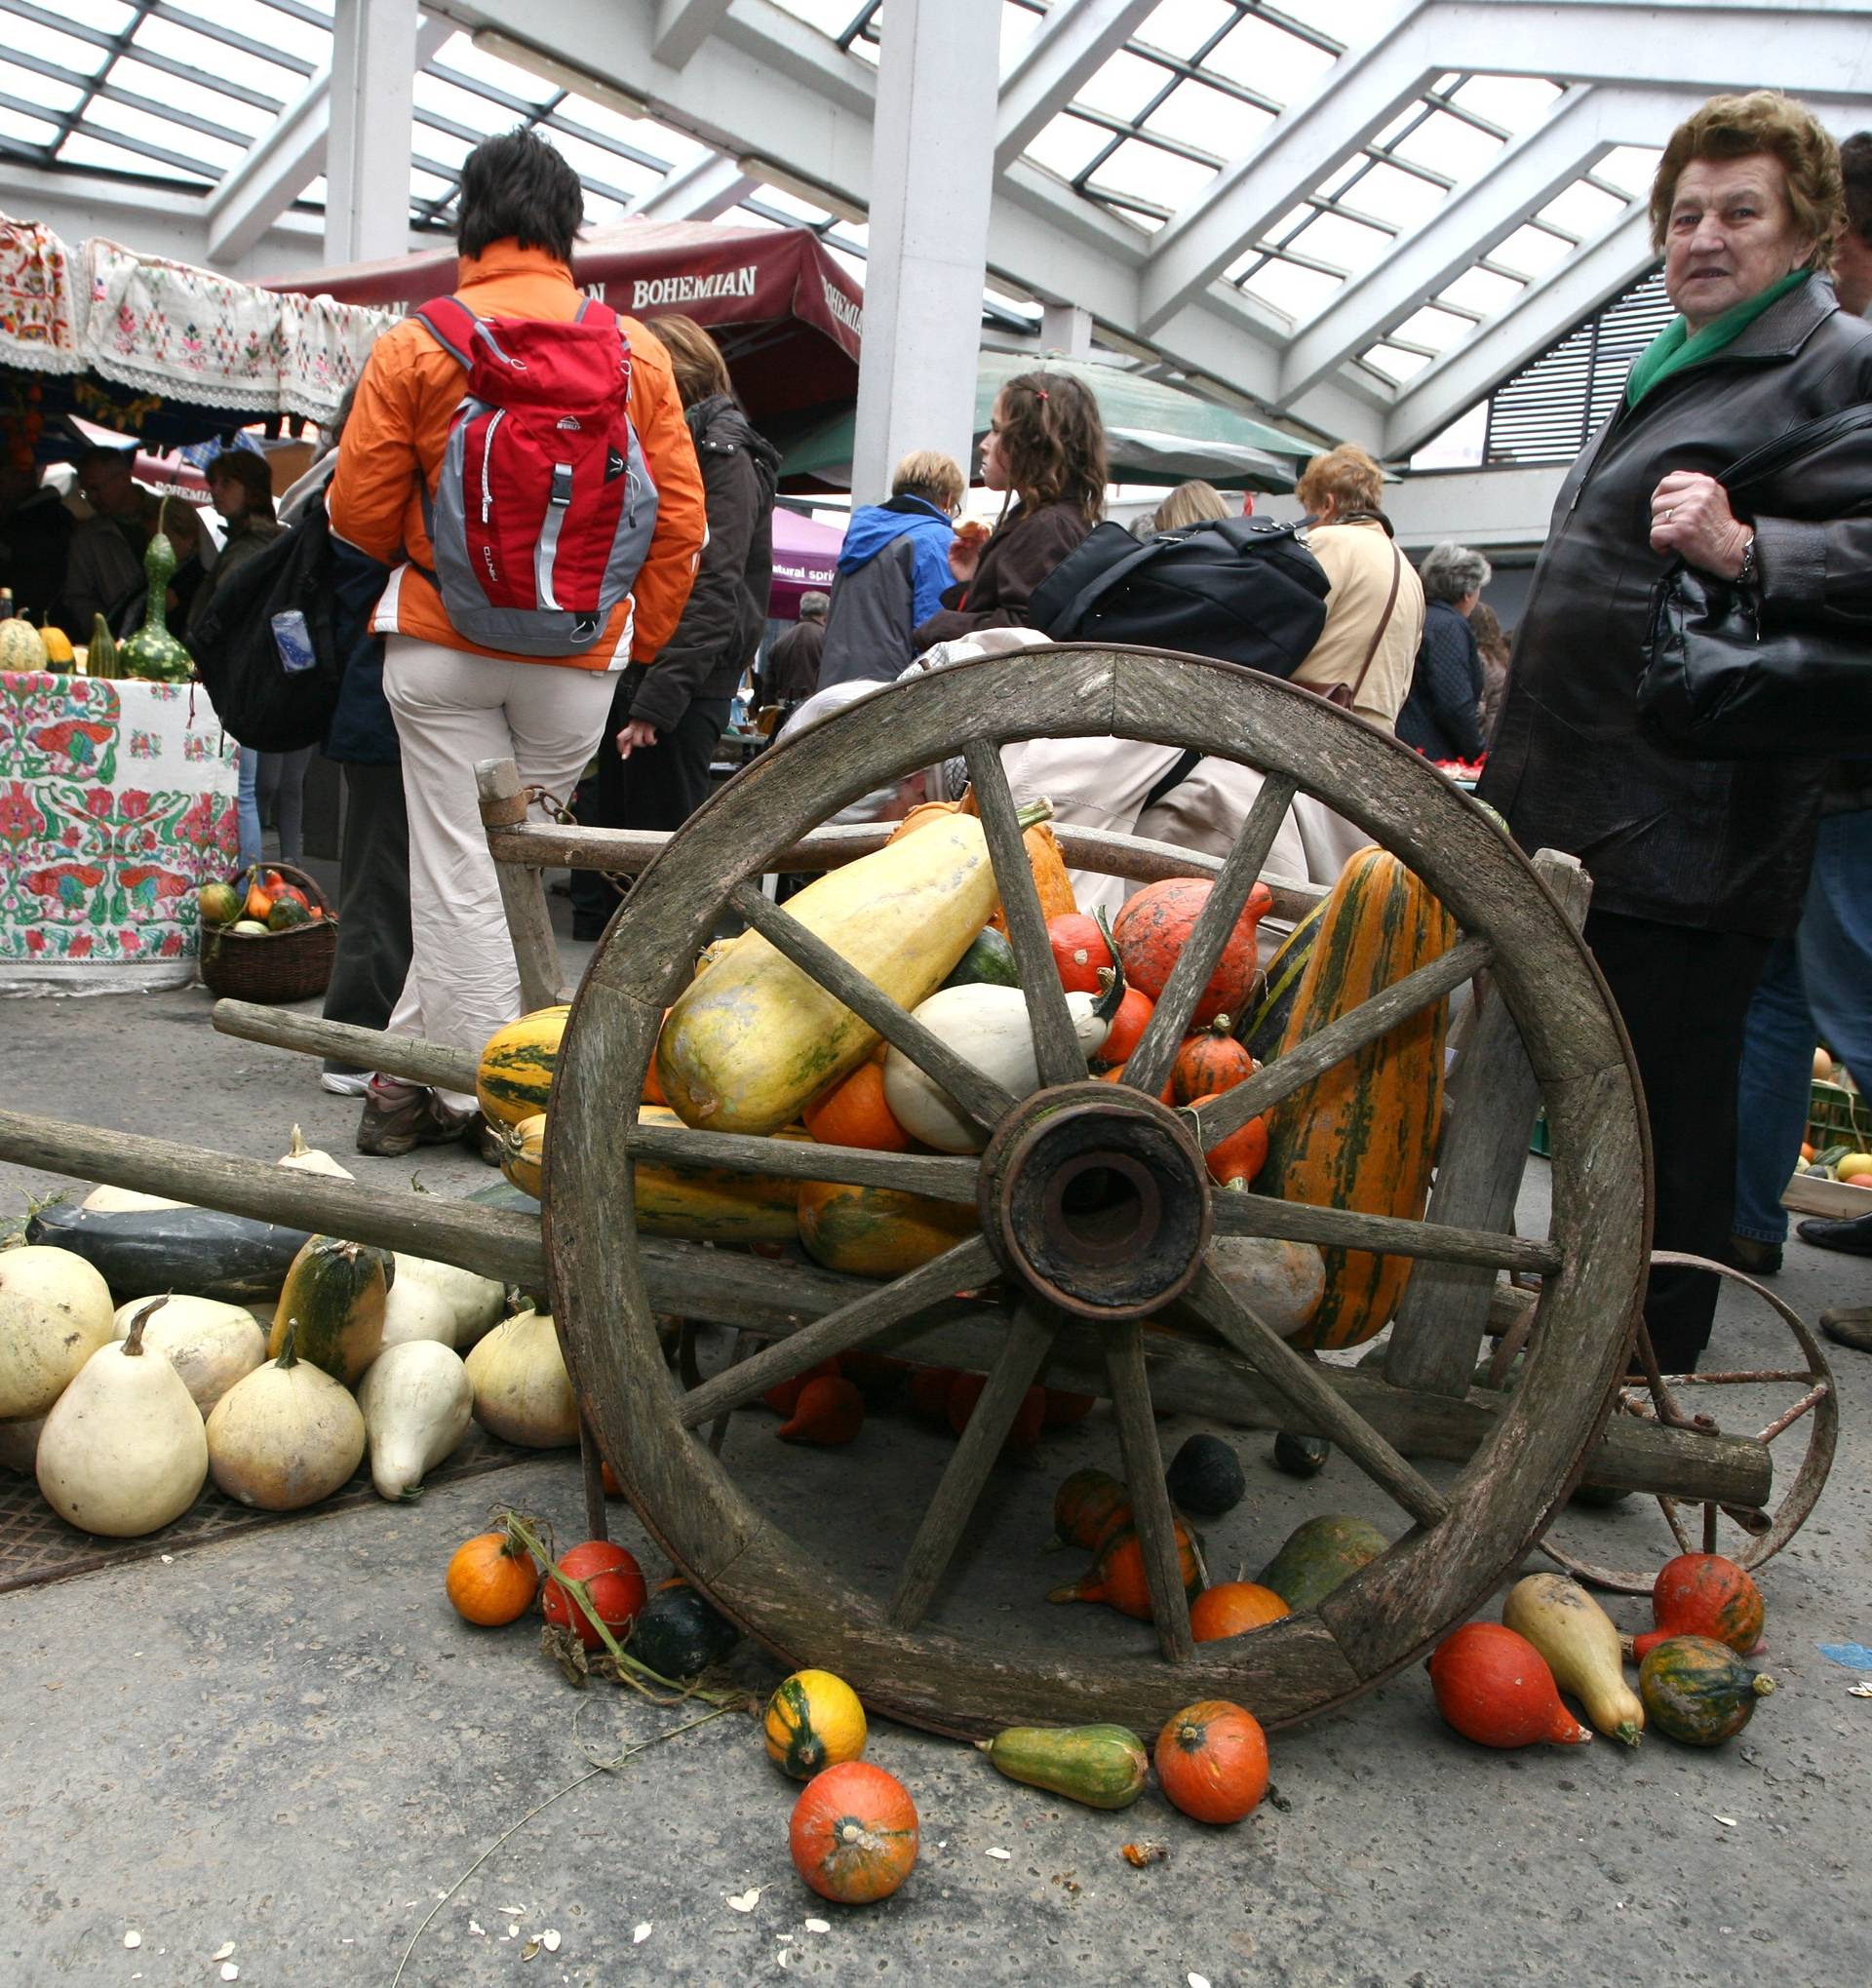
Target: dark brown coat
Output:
[{"x": 1024, "y": 549}]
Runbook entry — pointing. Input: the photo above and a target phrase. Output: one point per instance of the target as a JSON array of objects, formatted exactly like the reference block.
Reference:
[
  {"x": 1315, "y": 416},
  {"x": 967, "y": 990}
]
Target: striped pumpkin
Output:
[
  {"x": 878, "y": 1232},
  {"x": 513, "y": 1080},
  {"x": 1363, "y": 1136}
]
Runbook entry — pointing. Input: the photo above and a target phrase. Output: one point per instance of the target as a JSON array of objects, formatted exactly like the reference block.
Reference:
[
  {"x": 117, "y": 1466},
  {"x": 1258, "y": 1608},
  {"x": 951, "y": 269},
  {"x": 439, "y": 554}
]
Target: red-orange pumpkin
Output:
[
  {"x": 614, "y": 1582},
  {"x": 1236, "y": 1160},
  {"x": 1029, "y": 1418},
  {"x": 1127, "y": 1026},
  {"x": 853, "y": 1833},
  {"x": 1702, "y": 1594},
  {"x": 1154, "y": 926},
  {"x": 1080, "y": 951},
  {"x": 784, "y": 1396},
  {"x": 1117, "y": 1577},
  {"x": 1212, "y": 1761},
  {"x": 830, "y": 1412},
  {"x": 1209, "y": 1061},
  {"x": 1495, "y": 1688},
  {"x": 929, "y": 1391}
]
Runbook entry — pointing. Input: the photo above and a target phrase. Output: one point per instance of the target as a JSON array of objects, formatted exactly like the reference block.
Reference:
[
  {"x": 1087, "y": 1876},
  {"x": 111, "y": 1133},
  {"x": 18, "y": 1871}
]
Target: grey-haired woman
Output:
[{"x": 1442, "y": 716}]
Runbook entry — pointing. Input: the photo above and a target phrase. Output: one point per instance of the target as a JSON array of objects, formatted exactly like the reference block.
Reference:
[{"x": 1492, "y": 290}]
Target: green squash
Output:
[
  {"x": 1300, "y": 1456},
  {"x": 989, "y": 961},
  {"x": 336, "y": 1292},
  {"x": 101, "y": 658},
  {"x": 1105, "y": 1767},
  {"x": 1698, "y": 1692},
  {"x": 1205, "y": 1477},
  {"x": 1089, "y": 1507},
  {"x": 152, "y": 651},
  {"x": 677, "y": 1634},
  {"x": 1318, "y": 1555}
]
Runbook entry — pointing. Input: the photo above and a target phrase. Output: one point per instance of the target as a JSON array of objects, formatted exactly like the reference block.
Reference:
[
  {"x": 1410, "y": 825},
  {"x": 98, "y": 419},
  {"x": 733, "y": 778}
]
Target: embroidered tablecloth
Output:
[{"x": 117, "y": 801}]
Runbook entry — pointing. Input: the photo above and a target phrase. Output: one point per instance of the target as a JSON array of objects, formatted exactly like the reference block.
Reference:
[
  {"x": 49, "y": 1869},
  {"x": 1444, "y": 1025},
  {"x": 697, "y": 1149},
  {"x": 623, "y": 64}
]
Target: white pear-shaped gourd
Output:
[
  {"x": 418, "y": 1403},
  {"x": 126, "y": 1201},
  {"x": 55, "y": 1314},
  {"x": 209, "y": 1344},
  {"x": 474, "y": 1306},
  {"x": 523, "y": 1393},
  {"x": 20, "y": 1443},
  {"x": 286, "y": 1436},
  {"x": 123, "y": 1451},
  {"x": 308, "y": 1159}
]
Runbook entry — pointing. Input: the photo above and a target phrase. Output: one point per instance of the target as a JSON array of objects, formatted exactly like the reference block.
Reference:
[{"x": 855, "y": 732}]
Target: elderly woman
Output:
[
  {"x": 1442, "y": 715},
  {"x": 1698, "y": 865}
]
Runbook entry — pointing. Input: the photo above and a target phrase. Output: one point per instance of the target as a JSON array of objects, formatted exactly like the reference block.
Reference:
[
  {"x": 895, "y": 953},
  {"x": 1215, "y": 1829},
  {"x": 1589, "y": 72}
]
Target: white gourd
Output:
[
  {"x": 418, "y": 1402},
  {"x": 991, "y": 1027},
  {"x": 433, "y": 1300},
  {"x": 126, "y": 1201},
  {"x": 123, "y": 1451},
  {"x": 209, "y": 1344},
  {"x": 55, "y": 1314},
  {"x": 308, "y": 1159},
  {"x": 286, "y": 1436},
  {"x": 415, "y": 1313},
  {"x": 523, "y": 1393},
  {"x": 20, "y": 1443}
]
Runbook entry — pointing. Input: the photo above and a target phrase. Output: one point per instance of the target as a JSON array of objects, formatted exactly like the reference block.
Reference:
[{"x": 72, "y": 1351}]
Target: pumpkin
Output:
[
  {"x": 830, "y": 1412},
  {"x": 58, "y": 650},
  {"x": 1154, "y": 925},
  {"x": 334, "y": 1293},
  {"x": 22, "y": 646},
  {"x": 1205, "y": 1477},
  {"x": 784, "y": 1397},
  {"x": 219, "y": 904},
  {"x": 1493, "y": 1687},
  {"x": 1212, "y": 1761},
  {"x": 1117, "y": 1577},
  {"x": 853, "y": 1112},
  {"x": 523, "y": 1393},
  {"x": 1697, "y": 1691},
  {"x": 989, "y": 961},
  {"x": 1316, "y": 1556},
  {"x": 853, "y": 1833},
  {"x": 814, "y": 1721},
  {"x": 1088, "y": 1507},
  {"x": 1363, "y": 1135},
  {"x": 1209, "y": 1061},
  {"x": 1232, "y": 1609},
  {"x": 514, "y": 1077},
  {"x": 1703, "y": 1594},
  {"x": 754, "y": 1040},
  {"x": 1280, "y": 1281},
  {"x": 1030, "y": 1419},
  {"x": 929, "y": 1391},
  {"x": 1235, "y": 1161},
  {"x": 1081, "y": 952},
  {"x": 55, "y": 1314},
  {"x": 1105, "y": 1767},
  {"x": 286, "y": 1436},
  {"x": 1065, "y": 1406},
  {"x": 878, "y": 1232},
  {"x": 1115, "y": 1076},
  {"x": 491, "y": 1579},
  {"x": 1576, "y": 1637},
  {"x": 1264, "y": 1022},
  {"x": 880, "y": 1377},
  {"x": 677, "y": 1634},
  {"x": 614, "y": 1584},
  {"x": 1300, "y": 1456},
  {"x": 1127, "y": 1026}
]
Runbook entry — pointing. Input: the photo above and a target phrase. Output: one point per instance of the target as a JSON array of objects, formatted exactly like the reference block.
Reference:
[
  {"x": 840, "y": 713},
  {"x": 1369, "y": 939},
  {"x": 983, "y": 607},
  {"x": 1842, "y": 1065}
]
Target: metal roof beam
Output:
[
  {"x": 698, "y": 193},
  {"x": 1071, "y": 45},
  {"x": 683, "y": 25},
  {"x": 251, "y": 196}
]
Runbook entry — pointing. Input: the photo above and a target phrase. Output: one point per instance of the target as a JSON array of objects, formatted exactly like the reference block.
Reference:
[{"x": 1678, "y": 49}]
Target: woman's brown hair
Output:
[
  {"x": 694, "y": 358},
  {"x": 1053, "y": 442},
  {"x": 1738, "y": 127},
  {"x": 1346, "y": 473}
]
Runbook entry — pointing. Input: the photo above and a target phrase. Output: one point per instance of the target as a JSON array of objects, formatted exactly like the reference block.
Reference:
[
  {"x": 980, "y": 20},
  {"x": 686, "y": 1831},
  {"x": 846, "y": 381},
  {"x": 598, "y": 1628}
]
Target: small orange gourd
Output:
[
  {"x": 853, "y": 1833},
  {"x": 1232, "y": 1609},
  {"x": 1209, "y": 1061},
  {"x": 1495, "y": 1688},
  {"x": 1703, "y": 1594},
  {"x": 853, "y": 1112},
  {"x": 830, "y": 1412},
  {"x": 1212, "y": 1761},
  {"x": 1117, "y": 1577},
  {"x": 491, "y": 1579},
  {"x": 1029, "y": 1419}
]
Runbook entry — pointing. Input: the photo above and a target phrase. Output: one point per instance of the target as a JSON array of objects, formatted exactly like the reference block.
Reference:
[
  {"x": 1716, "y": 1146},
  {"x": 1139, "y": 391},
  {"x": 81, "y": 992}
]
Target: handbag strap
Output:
[
  {"x": 1807, "y": 438},
  {"x": 1383, "y": 622}
]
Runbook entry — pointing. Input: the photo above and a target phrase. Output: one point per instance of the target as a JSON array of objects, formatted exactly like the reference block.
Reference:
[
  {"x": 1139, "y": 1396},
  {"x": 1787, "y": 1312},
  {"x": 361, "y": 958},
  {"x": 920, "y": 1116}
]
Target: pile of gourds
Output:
[{"x": 136, "y": 1364}]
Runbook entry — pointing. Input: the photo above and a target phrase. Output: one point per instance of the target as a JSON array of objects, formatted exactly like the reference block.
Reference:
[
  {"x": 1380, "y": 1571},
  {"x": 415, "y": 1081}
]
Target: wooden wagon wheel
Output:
[
  {"x": 1459, "y": 1542},
  {"x": 1811, "y": 1406}
]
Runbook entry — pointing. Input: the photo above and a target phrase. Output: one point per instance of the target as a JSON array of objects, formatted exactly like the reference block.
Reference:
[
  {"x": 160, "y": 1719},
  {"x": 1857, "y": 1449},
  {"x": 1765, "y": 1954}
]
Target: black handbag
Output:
[
  {"x": 1725, "y": 677},
  {"x": 1241, "y": 590}
]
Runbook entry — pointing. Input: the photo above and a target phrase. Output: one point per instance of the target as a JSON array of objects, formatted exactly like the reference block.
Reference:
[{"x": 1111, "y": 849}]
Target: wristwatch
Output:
[{"x": 1746, "y": 577}]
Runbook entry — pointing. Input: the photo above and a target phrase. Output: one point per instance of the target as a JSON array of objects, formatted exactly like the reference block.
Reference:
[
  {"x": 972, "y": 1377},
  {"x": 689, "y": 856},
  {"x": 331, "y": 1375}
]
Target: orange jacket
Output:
[{"x": 398, "y": 429}]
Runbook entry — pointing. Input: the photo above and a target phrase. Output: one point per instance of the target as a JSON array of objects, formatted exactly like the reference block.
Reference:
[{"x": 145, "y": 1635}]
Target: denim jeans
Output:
[
  {"x": 248, "y": 806},
  {"x": 1818, "y": 988}
]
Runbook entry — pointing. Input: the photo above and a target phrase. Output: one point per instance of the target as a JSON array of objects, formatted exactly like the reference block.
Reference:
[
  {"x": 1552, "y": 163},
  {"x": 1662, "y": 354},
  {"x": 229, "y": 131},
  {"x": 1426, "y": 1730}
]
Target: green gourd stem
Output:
[
  {"x": 1034, "y": 813},
  {"x": 1762, "y": 1684},
  {"x": 133, "y": 1337},
  {"x": 290, "y": 1346}
]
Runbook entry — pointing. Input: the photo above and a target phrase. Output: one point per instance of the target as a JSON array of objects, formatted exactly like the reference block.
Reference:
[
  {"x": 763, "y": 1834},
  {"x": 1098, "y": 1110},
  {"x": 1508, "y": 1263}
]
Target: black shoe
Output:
[
  {"x": 1851, "y": 1233},
  {"x": 399, "y": 1118},
  {"x": 586, "y": 929},
  {"x": 1753, "y": 1257},
  {"x": 1850, "y": 1325}
]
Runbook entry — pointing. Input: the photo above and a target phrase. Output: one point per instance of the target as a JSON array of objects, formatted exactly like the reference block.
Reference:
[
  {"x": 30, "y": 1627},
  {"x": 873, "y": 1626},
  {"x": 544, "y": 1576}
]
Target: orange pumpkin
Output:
[
  {"x": 830, "y": 1412},
  {"x": 1152, "y": 927},
  {"x": 1079, "y": 952},
  {"x": 783, "y": 1397},
  {"x": 1236, "y": 1160},
  {"x": 1065, "y": 1407},
  {"x": 491, "y": 1579},
  {"x": 1089, "y": 1507},
  {"x": 1702, "y": 1594},
  {"x": 929, "y": 1391},
  {"x": 653, "y": 1093},
  {"x": 1232, "y": 1609},
  {"x": 1212, "y": 1761},
  {"x": 853, "y": 1833},
  {"x": 853, "y": 1112},
  {"x": 1210, "y": 1062},
  {"x": 1115, "y": 1076},
  {"x": 1127, "y": 1026},
  {"x": 1117, "y": 1577}
]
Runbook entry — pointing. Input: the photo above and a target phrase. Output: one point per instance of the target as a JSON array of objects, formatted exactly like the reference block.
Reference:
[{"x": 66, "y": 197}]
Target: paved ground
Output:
[{"x": 288, "y": 1741}]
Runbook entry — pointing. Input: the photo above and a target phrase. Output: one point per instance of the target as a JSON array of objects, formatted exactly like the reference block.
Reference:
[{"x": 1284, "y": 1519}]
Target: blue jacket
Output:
[{"x": 892, "y": 570}]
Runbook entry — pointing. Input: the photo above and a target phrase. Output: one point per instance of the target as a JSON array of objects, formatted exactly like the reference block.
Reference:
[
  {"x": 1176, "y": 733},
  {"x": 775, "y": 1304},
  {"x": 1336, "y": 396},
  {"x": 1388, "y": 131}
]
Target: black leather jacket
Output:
[{"x": 1722, "y": 845}]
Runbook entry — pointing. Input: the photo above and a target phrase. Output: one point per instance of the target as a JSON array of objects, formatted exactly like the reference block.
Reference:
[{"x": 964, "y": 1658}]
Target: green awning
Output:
[{"x": 1154, "y": 434}]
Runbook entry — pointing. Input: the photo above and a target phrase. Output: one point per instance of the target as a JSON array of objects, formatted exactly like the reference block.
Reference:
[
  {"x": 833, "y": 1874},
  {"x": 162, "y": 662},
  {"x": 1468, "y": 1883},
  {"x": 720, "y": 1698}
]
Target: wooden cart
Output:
[{"x": 1034, "y": 1293}]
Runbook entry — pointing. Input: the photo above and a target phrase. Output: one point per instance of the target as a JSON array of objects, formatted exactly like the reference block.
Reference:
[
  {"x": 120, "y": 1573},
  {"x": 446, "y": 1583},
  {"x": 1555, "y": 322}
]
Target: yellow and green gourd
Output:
[
  {"x": 152, "y": 651},
  {"x": 101, "y": 658}
]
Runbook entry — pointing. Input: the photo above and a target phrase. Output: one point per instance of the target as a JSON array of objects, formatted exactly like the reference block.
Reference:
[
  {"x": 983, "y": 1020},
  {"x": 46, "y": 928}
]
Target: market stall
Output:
[{"x": 805, "y": 561}]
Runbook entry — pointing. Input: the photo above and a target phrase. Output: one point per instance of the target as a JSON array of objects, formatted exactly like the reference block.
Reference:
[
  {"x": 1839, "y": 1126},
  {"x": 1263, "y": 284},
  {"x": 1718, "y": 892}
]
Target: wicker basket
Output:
[{"x": 284, "y": 966}]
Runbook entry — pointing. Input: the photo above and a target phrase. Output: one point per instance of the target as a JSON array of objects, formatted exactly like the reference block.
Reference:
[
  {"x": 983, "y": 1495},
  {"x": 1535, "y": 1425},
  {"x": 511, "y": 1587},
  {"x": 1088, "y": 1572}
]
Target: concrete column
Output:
[
  {"x": 931, "y": 179},
  {"x": 1065, "y": 328},
  {"x": 366, "y": 166}
]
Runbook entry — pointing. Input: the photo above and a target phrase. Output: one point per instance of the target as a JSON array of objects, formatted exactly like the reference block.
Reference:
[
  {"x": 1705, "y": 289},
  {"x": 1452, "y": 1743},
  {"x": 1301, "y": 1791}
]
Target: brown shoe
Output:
[
  {"x": 487, "y": 1139},
  {"x": 1850, "y": 1325},
  {"x": 398, "y": 1117}
]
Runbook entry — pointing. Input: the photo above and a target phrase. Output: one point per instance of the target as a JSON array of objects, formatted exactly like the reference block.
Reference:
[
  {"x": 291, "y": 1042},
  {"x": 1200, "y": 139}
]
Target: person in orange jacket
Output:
[{"x": 455, "y": 702}]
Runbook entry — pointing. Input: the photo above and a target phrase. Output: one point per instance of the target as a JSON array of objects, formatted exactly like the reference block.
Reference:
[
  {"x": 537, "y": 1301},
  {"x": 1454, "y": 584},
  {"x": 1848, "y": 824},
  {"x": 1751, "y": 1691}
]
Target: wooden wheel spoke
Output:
[
  {"x": 969, "y": 1263},
  {"x": 1057, "y": 1050},
  {"x": 1395, "y": 1235},
  {"x": 1030, "y": 1340},
  {"x": 940, "y": 1176},
  {"x": 1150, "y": 1513},
  {"x": 1233, "y": 1108},
  {"x": 1326, "y": 1411},
  {"x": 974, "y": 1091},
  {"x": 1148, "y": 1063}
]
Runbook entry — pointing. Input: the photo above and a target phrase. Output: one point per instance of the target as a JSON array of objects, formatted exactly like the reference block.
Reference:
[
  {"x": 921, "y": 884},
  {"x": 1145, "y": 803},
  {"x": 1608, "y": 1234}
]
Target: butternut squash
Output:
[{"x": 1581, "y": 1644}]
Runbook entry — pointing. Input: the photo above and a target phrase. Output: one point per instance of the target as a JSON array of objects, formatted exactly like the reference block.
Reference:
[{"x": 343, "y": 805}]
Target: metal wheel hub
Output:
[{"x": 1098, "y": 1199}]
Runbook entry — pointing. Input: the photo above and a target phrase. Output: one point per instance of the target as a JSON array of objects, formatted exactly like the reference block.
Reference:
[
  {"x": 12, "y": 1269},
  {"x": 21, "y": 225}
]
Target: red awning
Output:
[{"x": 786, "y": 316}]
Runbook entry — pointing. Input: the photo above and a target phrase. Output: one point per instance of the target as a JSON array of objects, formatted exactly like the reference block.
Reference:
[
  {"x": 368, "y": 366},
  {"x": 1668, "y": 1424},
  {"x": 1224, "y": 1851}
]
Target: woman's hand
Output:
[
  {"x": 635, "y": 733},
  {"x": 965, "y": 556},
  {"x": 1690, "y": 515}
]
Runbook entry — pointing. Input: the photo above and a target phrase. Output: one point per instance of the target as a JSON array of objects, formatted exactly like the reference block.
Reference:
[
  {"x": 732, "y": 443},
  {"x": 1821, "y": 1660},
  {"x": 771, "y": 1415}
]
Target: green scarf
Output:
[{"x": 1676, "y": 347}]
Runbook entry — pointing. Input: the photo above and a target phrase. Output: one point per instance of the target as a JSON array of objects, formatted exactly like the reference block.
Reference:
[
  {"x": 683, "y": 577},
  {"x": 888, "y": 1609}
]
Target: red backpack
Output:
[{"x": 544, "y": 509}]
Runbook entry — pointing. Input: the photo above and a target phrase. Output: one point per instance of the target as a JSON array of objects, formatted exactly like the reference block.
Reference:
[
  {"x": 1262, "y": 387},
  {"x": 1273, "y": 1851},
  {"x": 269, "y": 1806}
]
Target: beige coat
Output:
[{"x": 1359, "y": 560}]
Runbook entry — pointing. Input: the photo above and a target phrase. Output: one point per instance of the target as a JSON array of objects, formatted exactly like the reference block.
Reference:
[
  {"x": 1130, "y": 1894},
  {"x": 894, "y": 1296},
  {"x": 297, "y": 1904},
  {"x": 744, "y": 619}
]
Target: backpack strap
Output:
[
  {"x": 1378, "y": 634},
  {"x": 451, "y": 325}
]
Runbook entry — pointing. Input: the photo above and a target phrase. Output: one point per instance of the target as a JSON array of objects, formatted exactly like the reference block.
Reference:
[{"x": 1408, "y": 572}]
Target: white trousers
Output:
[{"x": 453, "y": 708}]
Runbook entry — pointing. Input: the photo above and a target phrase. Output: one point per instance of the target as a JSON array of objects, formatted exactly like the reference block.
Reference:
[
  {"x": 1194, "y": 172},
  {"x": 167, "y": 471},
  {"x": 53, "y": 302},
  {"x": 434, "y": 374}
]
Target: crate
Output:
[{"x": 1838, "y": 1116}]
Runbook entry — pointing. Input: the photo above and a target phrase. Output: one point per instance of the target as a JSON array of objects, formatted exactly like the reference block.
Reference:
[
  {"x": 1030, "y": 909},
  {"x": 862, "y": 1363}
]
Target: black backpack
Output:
[
  {"x": 258, "y": 700},
  {"x": 1241, "y": 590}
]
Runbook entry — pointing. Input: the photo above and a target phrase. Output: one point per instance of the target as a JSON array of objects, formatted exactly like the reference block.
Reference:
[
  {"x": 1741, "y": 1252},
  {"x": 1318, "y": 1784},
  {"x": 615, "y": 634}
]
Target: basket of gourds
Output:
[{"x": 268, "y": 934}]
